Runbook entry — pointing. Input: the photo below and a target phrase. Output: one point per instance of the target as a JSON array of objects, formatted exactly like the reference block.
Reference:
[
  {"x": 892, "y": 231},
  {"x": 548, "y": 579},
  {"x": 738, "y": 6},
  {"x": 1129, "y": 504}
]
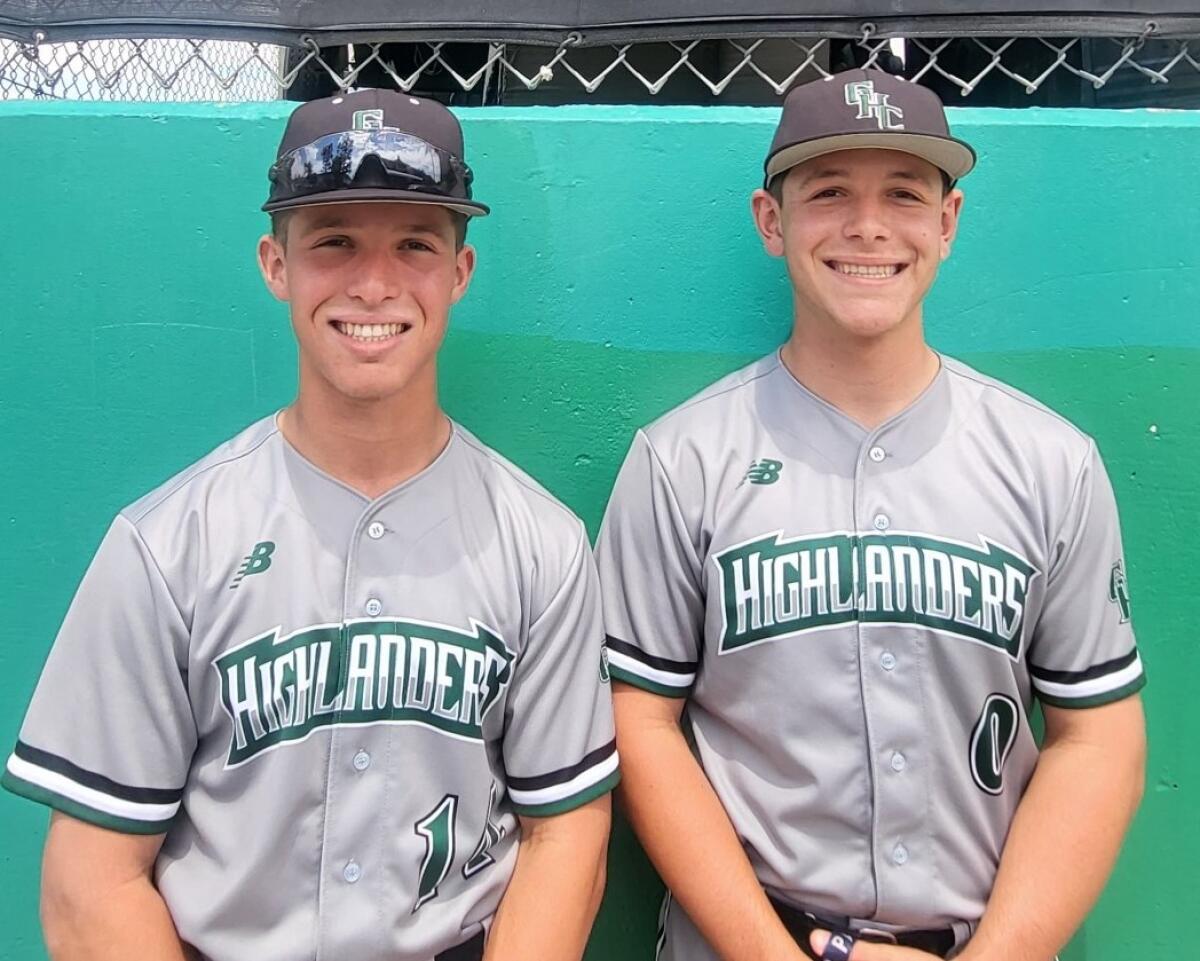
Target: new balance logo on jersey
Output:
[
  {"x": 257, "y": 561},
  {"x": 279, "y": 689},
  {"x": 872, "y": 105},
  {"x": 765, "y": 471},
  {"x": 773, "y": 587},
  {"x": 1118, "y": 589}
]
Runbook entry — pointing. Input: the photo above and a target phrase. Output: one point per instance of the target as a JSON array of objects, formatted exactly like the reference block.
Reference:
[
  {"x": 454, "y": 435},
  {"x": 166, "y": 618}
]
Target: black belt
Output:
[
  {"x": 801, "y": 924},
  {"x": 467, "y": 951}
]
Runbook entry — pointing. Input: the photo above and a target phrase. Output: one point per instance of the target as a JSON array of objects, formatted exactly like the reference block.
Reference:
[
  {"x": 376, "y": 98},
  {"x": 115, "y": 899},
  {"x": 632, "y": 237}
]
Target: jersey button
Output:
[
  {"x": 899, "y": 761},
  {"x": 351, "y": 872},
  {"x": 362, "y": 761},
  {"x": 887, "y": 660},
  {"x": 877, "y": 454},
  {"x": 899, "y": 854},
  {"x": 375, "y": 530},
  {"x": 881, "y": 522},
  {"x": 374, "y": 607}
]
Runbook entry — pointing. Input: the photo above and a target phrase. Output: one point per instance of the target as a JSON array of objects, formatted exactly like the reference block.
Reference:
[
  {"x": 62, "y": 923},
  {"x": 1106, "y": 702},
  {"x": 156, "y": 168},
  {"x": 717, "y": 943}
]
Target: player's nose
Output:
[
  {"x": 865, "y": 220},
  {"x": 375, "y": 278}
]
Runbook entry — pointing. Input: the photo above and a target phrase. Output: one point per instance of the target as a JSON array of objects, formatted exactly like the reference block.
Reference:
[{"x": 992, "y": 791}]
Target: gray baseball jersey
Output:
[
  {"x": 860, "y": 621},
  {"x": 333, "y": 707}
]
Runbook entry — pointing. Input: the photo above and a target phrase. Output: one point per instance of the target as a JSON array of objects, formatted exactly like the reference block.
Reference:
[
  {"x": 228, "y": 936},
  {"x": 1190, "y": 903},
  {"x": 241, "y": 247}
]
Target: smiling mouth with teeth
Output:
[
  {"x": 877, "y": 271},
  {"x": 369, "y": 332}
]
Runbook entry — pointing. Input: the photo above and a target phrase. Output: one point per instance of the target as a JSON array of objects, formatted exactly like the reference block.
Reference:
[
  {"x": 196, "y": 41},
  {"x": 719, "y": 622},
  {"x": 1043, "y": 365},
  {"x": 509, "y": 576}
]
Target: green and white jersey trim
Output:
[
  {"x": 1099, "y": 684},
  {"x": 569, "y": 787},
  {"x": 49, "y": 779},
  {"x": 659, "y": 675}
]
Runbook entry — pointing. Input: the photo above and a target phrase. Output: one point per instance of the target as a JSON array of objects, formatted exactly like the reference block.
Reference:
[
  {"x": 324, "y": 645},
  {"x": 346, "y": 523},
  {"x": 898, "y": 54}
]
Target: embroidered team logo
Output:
[
  {"x": 765, "y": 471},
  {"x": 368, "y": 119},
  {"x": 775, "y": 587},
  {"x": 257, "y": 561},
  {"x": 1118, "y": 590},
  {"x": 278, "y": 689},
  {"x": 873, "y": 106}
]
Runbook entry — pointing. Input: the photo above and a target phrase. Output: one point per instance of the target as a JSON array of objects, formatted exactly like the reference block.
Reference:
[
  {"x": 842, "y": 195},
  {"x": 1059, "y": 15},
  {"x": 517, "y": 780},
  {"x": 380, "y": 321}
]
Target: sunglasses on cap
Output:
[{"x": 337, "y": 161}]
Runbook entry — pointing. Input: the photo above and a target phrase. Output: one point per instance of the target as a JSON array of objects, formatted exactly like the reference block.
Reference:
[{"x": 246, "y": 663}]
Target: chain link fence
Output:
[
  {"x": 1008, "y": 71},
  {"x": 141, "y": 70}
]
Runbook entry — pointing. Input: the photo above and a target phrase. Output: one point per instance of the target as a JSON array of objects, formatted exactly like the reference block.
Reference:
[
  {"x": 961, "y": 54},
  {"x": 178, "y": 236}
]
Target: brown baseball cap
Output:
[
  {"x": 369, "y": 146},
  {"x": 860, "y": 109}
]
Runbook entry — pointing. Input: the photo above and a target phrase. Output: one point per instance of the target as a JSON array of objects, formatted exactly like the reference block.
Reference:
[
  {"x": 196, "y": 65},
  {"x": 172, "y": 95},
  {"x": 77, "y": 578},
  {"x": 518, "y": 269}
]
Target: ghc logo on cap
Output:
[
  {"x": 368, "y": 119},
  {"x": 861, "y": 94}
]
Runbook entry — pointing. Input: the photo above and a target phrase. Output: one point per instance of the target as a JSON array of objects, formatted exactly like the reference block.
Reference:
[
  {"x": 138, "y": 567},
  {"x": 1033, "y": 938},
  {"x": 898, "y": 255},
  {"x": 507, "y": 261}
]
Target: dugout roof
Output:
[{"x": 585, "y": 22}]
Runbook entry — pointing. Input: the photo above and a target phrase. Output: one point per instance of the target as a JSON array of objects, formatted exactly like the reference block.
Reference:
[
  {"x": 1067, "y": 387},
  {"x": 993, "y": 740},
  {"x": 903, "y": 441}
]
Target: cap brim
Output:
[
  {"x": 955, "y": 157},
  {"x": 470, "y": 208}
]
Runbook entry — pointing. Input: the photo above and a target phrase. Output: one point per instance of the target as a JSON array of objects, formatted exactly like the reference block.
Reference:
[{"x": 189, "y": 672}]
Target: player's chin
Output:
[
  {"x": 868, "y": 323},
  {"x": 360, "y": 392},
  {"x": 366, "y": 381}
]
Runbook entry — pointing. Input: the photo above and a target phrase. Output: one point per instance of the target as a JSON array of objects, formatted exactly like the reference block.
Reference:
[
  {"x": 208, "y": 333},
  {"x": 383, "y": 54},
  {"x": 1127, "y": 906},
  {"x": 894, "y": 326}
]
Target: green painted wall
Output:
[{"x": 618, "y": 274}]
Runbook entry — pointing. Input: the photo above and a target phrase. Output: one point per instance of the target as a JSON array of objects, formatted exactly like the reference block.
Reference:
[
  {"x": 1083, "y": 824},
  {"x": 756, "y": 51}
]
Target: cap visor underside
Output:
[
  {"x": 470, "y": 208},
  {"x": 955, "y": 157}
]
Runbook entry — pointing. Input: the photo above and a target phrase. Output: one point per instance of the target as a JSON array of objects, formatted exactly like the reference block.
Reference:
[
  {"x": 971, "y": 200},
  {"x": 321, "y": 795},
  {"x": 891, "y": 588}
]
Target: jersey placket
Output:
[
  {"x": 860, "y": 499},
  {"x": 891, "y": 676},
  {"x": 354, "y": 869}
]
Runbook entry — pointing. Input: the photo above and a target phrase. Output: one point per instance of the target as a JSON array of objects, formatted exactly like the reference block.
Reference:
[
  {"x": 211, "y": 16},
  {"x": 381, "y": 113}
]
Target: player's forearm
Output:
[
  {"x": 1061, "y": 848},
  {"x": 128, "y": 923},
  {"x": 98, "y": 900},
  {"x": 688, "y": 836},
  {"x": 554, "y": 893}
]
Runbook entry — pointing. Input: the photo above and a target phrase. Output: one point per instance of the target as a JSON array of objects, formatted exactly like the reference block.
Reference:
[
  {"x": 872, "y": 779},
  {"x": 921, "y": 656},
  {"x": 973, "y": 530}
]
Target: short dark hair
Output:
[
  {"x": 775, "y": 187},
  {"x": 279, "y": 223},
  {"x": 280, "y": 218}
]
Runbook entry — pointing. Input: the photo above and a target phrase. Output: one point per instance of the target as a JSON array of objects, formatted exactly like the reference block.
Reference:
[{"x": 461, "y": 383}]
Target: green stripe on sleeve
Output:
[
  {"x": 653, "y": 687},
  {"x": 1094, "y": 700},
  {"x": 82, "y": 812},
  {"x": 599, "y": 789}
]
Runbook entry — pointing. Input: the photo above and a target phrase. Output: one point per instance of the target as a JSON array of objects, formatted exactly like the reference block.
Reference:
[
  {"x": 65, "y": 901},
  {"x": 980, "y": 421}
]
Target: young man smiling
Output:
[
  {"x": 857, "y": 564},
  {"x": 337, "y": 690}
]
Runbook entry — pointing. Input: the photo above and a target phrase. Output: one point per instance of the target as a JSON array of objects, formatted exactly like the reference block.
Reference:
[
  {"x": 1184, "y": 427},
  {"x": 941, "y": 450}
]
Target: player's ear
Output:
[
  {"x": 273, "y": 266},
  {"x": 464, "y": 269},
  {"x": 952, "y": 205},
  {"x": 768, "y": 220}
]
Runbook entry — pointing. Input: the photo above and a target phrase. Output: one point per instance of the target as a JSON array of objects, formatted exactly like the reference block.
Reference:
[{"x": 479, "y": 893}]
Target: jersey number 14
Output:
[{"x": 438, "y": 828}]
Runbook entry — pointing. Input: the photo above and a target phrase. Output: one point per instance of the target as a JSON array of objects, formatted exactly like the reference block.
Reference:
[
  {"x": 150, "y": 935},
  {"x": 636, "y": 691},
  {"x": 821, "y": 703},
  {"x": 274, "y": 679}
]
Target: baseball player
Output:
[
  {"x": 855, "y": 566},
  {"x": 336, "y": 691}
]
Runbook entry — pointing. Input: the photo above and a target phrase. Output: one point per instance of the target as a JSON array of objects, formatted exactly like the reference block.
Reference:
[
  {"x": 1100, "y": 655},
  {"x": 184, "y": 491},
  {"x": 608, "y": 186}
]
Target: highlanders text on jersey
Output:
[
  {"x": 860, "y": 621},
  {"x": 334, "y": 708}
]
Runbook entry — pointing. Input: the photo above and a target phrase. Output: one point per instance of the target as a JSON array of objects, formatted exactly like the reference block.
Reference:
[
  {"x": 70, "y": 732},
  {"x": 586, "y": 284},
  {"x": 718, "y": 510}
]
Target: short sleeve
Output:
[
  {"x": 109, "y": 735},
  {"x": 651, "y": 579},
  {"x": 560, "y": 751},
  {"x": 1083, "y": 652}
]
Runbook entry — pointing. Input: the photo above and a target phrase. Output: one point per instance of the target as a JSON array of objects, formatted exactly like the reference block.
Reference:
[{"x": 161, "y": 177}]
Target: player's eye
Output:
[
  {"x": 826, "y": 193},
  {"x": 335, "y": 241},
  {"x": 416, "y": 245}
]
